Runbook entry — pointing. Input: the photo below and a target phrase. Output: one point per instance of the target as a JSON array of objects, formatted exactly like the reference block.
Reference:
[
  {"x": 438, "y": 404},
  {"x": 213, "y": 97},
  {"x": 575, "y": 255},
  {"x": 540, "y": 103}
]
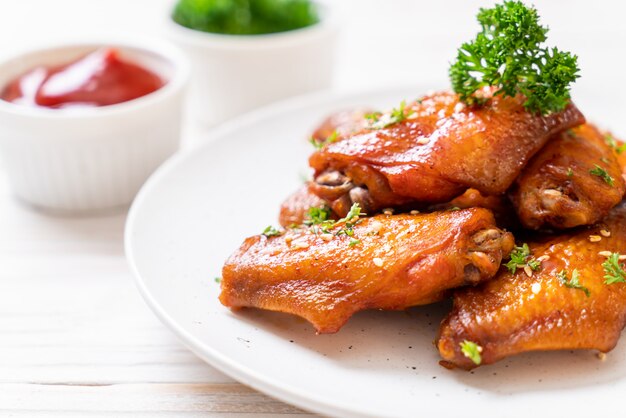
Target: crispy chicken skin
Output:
[
  {"x": 557, "y": 190},
  {"x": 400, "y": 261},
  {"x": 344, "y": 122},
  {"x": 440, "y": 150},
  {"x": 515, "y": 313},
  {"x": 293, "y": 211}
]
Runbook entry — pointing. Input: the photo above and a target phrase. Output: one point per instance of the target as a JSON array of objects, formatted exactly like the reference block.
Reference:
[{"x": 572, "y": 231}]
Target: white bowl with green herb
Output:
[{"x": 249, "y": 53}]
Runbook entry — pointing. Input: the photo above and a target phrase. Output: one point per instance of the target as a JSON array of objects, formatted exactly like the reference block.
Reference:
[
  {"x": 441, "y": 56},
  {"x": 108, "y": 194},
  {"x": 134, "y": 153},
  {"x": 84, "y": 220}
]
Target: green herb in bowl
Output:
[{"x": 245, "y": 17}]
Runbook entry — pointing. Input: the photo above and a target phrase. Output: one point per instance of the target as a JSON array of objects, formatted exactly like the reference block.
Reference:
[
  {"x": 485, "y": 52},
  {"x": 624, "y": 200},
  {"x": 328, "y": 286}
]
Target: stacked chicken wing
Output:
[{"x": 413, "y": 206}]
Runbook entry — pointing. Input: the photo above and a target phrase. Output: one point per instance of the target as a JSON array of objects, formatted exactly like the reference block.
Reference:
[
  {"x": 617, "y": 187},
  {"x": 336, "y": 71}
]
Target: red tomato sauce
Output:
[{"x": 100, "y": 78}]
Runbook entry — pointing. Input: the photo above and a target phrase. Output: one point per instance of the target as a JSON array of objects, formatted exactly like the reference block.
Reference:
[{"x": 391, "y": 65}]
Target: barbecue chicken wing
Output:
[
  {"x": 574, "y": 180},
  {"x": 439, "y": 148},
  {"x": 565, "y": 305},
  {"x": 384, "y": 262}
]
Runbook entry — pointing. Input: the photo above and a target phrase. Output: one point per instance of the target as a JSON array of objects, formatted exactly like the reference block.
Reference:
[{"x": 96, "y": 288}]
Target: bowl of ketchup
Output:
[{"x": 82, "y": 126}]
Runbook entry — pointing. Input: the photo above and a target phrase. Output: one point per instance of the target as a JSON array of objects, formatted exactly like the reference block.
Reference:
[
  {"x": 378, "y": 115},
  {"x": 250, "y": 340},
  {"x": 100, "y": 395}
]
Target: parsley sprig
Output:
[
  {"x": 520, "y": 258},
  {"x": 508, "y": 53},
  {"x": 603, "y": 174},
  {"x": 472, "y": 351},
  {"x": 614, "y": 270},
  {"x": 574, "y": 282}
]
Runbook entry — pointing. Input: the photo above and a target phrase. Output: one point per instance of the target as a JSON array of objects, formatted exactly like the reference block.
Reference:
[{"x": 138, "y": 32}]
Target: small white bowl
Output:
[
  {"x": 232, "y": 74},
  {"x": 91, "y": 159}
]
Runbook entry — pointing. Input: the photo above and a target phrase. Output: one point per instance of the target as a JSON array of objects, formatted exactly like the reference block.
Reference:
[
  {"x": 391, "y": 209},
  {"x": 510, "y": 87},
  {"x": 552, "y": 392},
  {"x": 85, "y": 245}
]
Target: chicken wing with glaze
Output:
[
  {"x": 574, "y": 180},
  {"x": 565, "y": 305},
  {"x": 437, "y": 150},
  {"x": 384, "y": 262}
]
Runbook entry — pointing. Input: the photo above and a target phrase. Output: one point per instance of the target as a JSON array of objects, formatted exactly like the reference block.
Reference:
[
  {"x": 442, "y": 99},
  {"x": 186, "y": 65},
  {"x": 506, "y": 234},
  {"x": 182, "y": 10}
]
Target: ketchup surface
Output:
[{"x": 98, "y": 79}]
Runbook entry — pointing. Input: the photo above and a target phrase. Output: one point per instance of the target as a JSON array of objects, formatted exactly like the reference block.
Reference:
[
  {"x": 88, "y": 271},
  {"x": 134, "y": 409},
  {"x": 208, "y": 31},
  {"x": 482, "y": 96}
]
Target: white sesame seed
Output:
[
  {"x": 605, "y": 253},
  {"x": 388, "y": 211},
  {"x": 422, "y": 141},
  {"x": 601, "y": 356},
  {"x": 415, "y": 212},
  {"x": 413, "y": 115},
  {"x": 528, "y": 271},
  {"x": 376, "y": 226},
  {"x": 536, "y": 288},
  {"x": 386, "y": 248},
  {"x": 621, "y": 257},
  {"x": 326, "y": 237},
  {"x": 378, "y": 262},
  {"x": 300, "y": 244},
  {"x": 605, "y": 233},
  {"x": 543, "y": 258},
  {"x": 552, "y": 193},
  {"x": 595, "y": 238},
  {"x": 479, "y": 348}
]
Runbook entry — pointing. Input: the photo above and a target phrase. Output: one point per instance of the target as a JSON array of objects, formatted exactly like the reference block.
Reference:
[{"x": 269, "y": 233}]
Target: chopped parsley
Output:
[
  {"x": 520, "y": 258},
  {"x": 574, "y": 282},
  {"x": 570, "y": 172},
  {"x": 317, "y": 215},
  {"x": 321, "y": 144},
  {"x": 351, "y": 219},
  {"x": 472, "y": 351},
  {"x": 373, "y": 117},
  {"x": 218, "y": 280},
  {"x": 611, "y": 142},
  {"x": 399, "y": 114},
  {"x": 614, "y": 270},
  {"x": 509, "y": 54},
  {"x": 318, "y": 218},
  {"x": 270, "y": 231},
  {"x": 354, "y": 242},
  {"x": 603, "y": 174}
]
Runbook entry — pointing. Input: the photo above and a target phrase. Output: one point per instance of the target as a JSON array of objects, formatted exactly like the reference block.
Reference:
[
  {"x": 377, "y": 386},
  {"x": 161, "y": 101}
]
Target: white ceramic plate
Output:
[{"x": 199, "y": 207}]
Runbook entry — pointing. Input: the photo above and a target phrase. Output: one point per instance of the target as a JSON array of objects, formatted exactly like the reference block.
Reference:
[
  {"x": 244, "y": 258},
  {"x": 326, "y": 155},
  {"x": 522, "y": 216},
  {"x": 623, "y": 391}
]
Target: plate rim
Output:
[{"x": 214, "y": 358}]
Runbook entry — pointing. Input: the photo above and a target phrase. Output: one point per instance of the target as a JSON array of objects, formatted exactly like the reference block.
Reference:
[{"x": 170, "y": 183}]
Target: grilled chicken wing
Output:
[
  {"x": 515, "y": 313},
  {"x": 439, "y": 149},
  {"x": 390, "y": 262},
  {"x": 564, "y": 185}
]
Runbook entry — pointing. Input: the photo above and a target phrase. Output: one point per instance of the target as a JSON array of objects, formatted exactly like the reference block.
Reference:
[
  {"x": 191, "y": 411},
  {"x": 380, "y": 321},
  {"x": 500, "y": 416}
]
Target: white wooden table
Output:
[{"x": 75, "y": 337}]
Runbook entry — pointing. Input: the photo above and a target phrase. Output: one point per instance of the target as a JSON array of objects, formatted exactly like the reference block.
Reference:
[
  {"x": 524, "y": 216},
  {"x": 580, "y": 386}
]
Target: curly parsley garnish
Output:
[
  {"x": 270, "y": 231},
  {"x": 472, "y": 351},
  {"x": 614, "y": 270},
  {"x": 574, "y": 282},
  {"x": 603, "y": 174},
  {"x": 508, "y": 53},
  {"x": 520, "y": 258}
]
